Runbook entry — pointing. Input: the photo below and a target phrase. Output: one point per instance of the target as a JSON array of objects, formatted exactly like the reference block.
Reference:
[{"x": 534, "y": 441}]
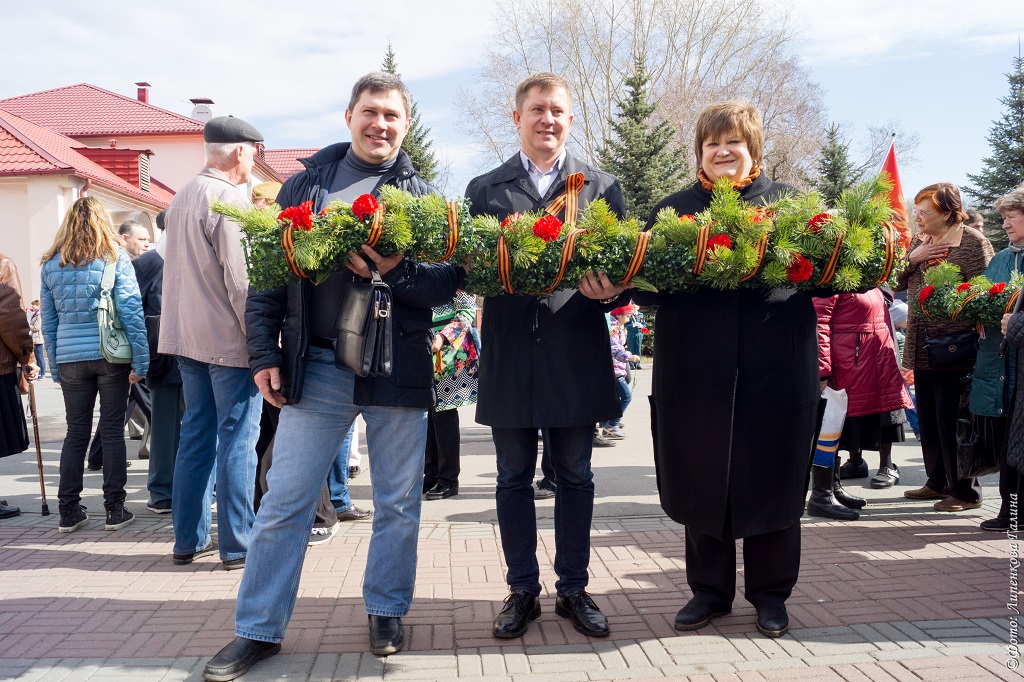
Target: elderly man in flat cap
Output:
[{"x": 203, "y": 324}]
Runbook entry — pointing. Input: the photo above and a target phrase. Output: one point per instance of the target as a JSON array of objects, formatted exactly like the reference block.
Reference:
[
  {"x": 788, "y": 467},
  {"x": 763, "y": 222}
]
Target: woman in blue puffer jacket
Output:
[{"x": 71, "y": 277}]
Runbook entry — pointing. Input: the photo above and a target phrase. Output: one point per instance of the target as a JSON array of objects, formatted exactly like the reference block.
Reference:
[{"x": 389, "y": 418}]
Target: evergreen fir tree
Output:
[
  {"x": 835, "y": 170},
  {"x": 1004, "y": 169},
  {"x": 640, "y": 154},
  {"x": 417, "y": 143}
]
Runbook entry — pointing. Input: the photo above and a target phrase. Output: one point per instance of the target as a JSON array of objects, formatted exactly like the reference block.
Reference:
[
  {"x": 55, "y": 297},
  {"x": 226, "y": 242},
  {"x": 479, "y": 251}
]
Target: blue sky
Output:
[{"x": 936, "y": 66}]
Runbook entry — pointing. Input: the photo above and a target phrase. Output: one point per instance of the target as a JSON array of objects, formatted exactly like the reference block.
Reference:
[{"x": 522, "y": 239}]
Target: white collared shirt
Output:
[{"x": 541, "y": 180}]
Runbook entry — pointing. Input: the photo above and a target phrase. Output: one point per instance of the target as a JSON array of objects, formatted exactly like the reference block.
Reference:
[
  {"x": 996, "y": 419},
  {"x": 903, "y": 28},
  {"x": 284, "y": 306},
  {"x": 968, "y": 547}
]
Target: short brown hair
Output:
[
  {"x": 1011, "y": 201},
  {"x": 734, "y": 116},
  {"x": 946, "y": 198},
  {"x": 379, "y": 82},
  {"x": 545, "y": 82}
]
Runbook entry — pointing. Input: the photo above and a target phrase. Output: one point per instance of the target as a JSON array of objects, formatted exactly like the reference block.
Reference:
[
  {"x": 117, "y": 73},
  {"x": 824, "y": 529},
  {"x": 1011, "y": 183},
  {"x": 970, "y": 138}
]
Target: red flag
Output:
[{"x": 896, "y": 194}]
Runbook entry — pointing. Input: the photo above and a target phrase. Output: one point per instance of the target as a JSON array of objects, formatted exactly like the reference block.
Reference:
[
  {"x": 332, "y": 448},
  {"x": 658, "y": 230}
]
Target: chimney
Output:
[
  {"x": 201, "y": 110},
  {"x": 143, "y": 91}
]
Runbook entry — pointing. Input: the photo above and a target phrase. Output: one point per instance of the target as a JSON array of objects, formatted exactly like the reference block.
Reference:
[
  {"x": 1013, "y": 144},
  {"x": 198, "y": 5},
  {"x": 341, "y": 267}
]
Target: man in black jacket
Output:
[
  {"x": 320, "y": 401},
  {"x": 547, "y": 365}
]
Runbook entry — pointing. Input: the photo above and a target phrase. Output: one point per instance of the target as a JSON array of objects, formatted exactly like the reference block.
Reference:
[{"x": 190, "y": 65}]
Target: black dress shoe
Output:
[
  {"x": 355, "y": 514},
  {"x": 698, "y": 612},
  {"x": 182, "y": 559},
  {"x": 237, "y": 657},
  {"x": 442, "y": 491},
  {"x": 387, "y": 636},
  {"x": 520, "y": 608},
  {"x": 772, "y": 621},
  {"x": 585, "y": 615}
]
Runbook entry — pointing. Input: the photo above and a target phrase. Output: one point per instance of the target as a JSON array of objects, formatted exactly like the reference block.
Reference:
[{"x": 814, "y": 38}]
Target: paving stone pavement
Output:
[{"x": 905, "y": 593}]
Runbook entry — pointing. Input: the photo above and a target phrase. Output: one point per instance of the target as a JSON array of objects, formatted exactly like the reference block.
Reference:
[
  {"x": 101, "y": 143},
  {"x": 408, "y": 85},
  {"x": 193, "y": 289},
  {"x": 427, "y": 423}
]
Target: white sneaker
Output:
[{"x": 615, "y": 433}]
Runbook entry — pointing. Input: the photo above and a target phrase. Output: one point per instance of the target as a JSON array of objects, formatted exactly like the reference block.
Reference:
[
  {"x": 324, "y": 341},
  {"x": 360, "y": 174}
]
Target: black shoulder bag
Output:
[{"x": 364, "y": 328}]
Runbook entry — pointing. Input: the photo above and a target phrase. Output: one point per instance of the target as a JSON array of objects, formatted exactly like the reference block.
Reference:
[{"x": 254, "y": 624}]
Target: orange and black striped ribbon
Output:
[
  {"x": 569, "y": 199},
  {"x": 376, "y": 227},
  {"x": 568, "y": 247},
  {"x": 892, "y": 239},
  {"x": 643, "y": 240},
  {"x": 703, "y": 234},
  {"x": 288, "y": 244},
  {"x": 761, "y": 247},
  {"x": 1012, "y": 301},
  {"x": 830, "y": 268},
  {"x": 504, "y": 265},
  {"x": 970, "y": 297},
  {"x": 453, "y": 230}
]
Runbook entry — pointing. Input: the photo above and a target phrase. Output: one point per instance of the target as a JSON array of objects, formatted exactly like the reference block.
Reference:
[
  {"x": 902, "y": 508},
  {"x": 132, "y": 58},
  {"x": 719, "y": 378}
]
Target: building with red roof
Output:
[
  {"x": 285, "y": 162},
  {"x": 59, "y": 144}
]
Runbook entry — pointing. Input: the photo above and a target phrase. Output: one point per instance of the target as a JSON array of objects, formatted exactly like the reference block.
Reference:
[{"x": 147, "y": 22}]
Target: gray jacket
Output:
[{"x": 205, "y": 282}]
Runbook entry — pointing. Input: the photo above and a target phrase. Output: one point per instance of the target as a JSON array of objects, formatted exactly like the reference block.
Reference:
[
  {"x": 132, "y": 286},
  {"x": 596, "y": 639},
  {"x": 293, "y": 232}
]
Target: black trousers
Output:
[
  {"x": 80, "y": 383},
  {"x": 138, "y": 394},
  {"x": 1009, "y": 478},
  {"x": 441, "y": 463},
  {"x": 938, "y": 405},
  {"x": 771, "y": 565}
]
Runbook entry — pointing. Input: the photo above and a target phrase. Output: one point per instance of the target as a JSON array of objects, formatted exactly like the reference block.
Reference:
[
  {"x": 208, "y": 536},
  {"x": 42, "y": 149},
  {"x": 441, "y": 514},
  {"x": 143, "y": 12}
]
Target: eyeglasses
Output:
[
  {"x": 923, "y": 214},
  {"x": 261, "y": 151}
]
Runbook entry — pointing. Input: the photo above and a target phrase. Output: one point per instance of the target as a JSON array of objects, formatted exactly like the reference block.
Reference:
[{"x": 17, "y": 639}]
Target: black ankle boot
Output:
[
  {"x": 844, "y": 498},
  {"x": 822, "y": 502}
]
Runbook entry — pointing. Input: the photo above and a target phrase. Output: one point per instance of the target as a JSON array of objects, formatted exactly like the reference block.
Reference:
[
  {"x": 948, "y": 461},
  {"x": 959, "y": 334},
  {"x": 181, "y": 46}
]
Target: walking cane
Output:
[
  {"x": 1016, "y": 309},
  {"x": 39, "y": 449}
]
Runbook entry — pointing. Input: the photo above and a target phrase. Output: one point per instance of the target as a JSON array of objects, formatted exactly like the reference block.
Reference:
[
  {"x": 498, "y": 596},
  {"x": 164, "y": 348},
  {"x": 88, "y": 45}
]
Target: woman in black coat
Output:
[{"x": 734, "y": 404}]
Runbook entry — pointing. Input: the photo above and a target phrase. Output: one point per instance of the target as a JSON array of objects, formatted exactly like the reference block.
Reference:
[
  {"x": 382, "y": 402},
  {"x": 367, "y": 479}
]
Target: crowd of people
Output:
[{"x": 251, "y": 410}]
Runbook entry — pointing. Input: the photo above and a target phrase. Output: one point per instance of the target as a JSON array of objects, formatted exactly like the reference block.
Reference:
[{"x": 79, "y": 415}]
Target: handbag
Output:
[
  {"x": 114, "y": 343},
  {"x": 956, "y": 350},
  {"x": 978, "y": 450},
  {"x": 364, "y": 327}
]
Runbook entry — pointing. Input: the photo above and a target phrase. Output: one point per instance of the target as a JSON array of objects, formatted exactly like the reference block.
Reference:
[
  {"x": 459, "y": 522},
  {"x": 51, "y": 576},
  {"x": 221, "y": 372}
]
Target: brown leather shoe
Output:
[
  {"x": 951, "y": 504},
  {"x": 923, "y": 493}
]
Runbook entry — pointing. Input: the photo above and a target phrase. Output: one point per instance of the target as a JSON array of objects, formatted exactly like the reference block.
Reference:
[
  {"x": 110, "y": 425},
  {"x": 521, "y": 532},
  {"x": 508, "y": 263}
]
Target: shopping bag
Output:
[{"x": 831, "y": 426}]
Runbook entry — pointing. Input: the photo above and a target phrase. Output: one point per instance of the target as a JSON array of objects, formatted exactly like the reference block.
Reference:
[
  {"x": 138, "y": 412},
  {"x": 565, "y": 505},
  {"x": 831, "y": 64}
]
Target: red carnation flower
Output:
[
  {"x": 719, "y": 240},
  {"x": 687, "y": 218},
  {"x": 815, "y": 223},
  {"x": 511, "y": 219},
  {"x": 997, "y": 288},
  {"x": 963, "y": 287},
  {"x": 758, "y": 217},
  {"x": 925, "y": 294},
  {"x": 548, "y": 228},
  {"x": 801, "y": 270},
  {"x": 364, "y": 206},
  {"x": 301, "y": 216},
  {"x": 645, "y": 330}
]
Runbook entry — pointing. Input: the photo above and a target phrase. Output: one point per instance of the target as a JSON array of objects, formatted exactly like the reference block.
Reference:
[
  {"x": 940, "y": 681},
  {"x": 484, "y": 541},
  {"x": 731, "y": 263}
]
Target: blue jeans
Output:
[
  {"x": 570, "y": 450},
  {"x": 40, "y": 359},
  {"x": 309, "y": 436},
  {"x": 337, "y": 479},
  {"x": 218, "y": 431},
  {"x": 625, "y": 398}
]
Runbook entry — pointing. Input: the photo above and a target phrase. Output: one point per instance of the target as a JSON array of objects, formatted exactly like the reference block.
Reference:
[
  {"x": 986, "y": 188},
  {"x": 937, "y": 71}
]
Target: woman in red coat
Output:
[{"x": 857, "y": 352}]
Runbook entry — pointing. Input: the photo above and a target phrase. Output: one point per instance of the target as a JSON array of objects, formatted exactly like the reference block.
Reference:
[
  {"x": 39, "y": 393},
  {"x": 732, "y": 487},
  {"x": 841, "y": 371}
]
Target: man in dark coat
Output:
[
  {"x": 291, "y": 336},
  {"x": 546, "y": 365},
  {"x": 163, "y": 381}
]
